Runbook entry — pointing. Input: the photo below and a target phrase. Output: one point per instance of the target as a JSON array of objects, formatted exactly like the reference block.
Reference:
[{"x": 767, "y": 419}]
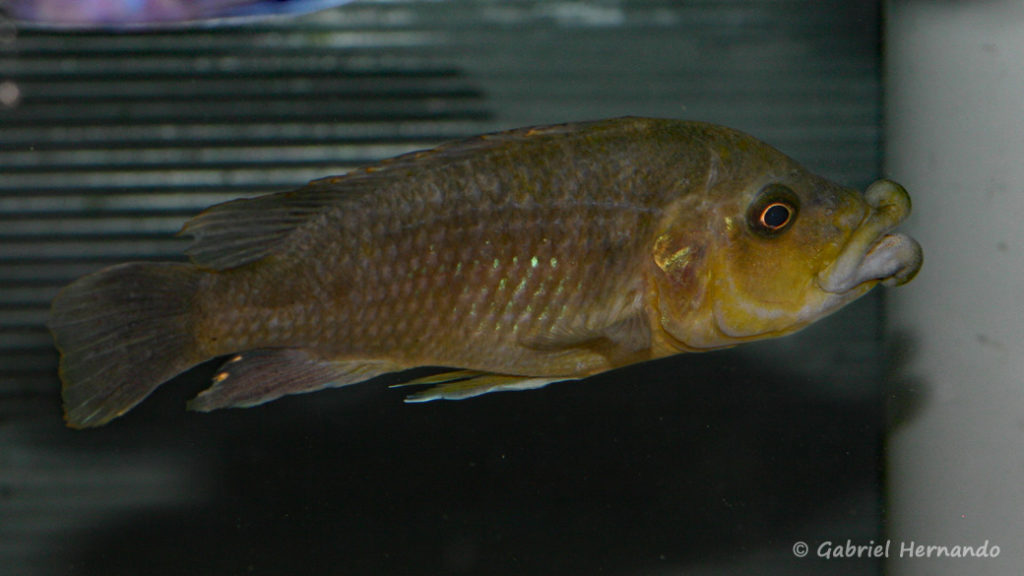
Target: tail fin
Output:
[{"x": 122, "y": 332}]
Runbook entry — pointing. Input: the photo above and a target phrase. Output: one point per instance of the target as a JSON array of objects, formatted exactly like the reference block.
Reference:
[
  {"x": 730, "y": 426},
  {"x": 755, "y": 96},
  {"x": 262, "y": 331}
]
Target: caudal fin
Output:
[{"x": 122, "y": 332}]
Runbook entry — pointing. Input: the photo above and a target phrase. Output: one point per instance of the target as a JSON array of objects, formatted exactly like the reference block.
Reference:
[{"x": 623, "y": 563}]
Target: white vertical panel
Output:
[{"x": 956, "y": 140}]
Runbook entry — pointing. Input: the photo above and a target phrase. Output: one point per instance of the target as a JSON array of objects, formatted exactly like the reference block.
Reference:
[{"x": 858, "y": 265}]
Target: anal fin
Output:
[
  {"x": 464, "y": 384},
  {"x": 258, "y": 376}
]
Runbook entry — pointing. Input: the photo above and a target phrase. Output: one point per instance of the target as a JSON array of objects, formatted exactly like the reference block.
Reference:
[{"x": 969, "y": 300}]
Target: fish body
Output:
[
  {"x": 143, "y": 14},
  {"x": 517, "y": 259}
]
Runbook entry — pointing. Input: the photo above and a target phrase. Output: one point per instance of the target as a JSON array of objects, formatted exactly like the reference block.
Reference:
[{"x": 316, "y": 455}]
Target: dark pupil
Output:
[{"x": 775, "y": 216}]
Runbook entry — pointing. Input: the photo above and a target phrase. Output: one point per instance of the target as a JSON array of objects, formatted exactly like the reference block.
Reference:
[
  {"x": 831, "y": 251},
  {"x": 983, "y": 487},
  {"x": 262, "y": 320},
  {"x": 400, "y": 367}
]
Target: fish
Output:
[
  {"x": 147, "y": 14},
  {"x": 511, "y": 260}
]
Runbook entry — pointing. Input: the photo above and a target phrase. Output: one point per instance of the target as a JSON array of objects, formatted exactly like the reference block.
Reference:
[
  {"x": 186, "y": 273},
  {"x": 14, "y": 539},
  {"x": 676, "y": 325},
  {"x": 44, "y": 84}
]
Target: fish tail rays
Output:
[{"x": 121, "y": 333}]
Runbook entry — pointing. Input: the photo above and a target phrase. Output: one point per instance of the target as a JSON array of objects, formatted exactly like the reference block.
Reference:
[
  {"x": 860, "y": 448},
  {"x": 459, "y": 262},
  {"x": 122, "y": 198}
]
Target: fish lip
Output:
[
  {"x": 894, "y": 259},
  {"x": 872, "y": 254}
]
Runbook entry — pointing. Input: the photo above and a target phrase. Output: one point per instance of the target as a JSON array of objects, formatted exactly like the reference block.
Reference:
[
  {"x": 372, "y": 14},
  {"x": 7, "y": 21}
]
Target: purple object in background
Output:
[{"x": 114, "y": 14}]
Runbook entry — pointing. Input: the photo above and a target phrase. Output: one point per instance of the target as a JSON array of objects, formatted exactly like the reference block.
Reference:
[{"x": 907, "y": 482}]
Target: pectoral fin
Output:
[
  {"x": 631, "y": 334},
  {"x": 462, "y": 384},
  {"x": 619, "y": 339},
  {"x": 258, "y": 376}
]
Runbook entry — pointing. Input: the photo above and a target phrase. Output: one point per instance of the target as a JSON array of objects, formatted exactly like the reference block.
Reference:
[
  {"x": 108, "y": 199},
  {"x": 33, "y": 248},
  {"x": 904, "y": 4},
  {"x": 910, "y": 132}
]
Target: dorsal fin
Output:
[{"x": 243, "y": 231}]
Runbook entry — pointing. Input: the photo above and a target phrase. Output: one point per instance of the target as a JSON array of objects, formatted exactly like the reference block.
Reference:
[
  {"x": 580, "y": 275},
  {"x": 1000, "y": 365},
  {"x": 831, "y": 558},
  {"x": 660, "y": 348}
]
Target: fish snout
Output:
[{"x": 872, "y": 253}]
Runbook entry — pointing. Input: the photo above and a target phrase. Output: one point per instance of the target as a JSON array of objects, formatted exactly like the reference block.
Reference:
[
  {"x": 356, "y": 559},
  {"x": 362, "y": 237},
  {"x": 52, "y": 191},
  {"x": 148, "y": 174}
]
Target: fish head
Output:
[{"x": 777, "y": 252}]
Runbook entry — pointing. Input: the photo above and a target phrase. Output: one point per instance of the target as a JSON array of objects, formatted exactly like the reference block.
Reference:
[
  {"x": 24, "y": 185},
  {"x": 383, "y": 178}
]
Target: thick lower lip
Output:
[
  {"x": 872, "y": 254},
  {"x": 893, "y": 260}
]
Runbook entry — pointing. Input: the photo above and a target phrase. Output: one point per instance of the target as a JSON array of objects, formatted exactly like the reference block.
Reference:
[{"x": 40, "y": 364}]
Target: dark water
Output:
[{"x": 706, "y": 464}]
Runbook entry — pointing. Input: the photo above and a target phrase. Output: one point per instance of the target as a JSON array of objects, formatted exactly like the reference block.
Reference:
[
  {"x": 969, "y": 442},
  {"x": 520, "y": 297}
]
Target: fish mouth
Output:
[{"x": 873, "y": 254}]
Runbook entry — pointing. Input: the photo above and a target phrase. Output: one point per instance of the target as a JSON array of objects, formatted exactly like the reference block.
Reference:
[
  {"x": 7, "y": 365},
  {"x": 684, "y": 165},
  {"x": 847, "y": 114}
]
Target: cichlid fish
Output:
[
  {"x": 142, "y": 14},
  {"x": 517, "y": 259}
]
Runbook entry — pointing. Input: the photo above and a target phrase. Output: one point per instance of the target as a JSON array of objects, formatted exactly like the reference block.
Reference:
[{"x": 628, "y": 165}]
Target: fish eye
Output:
[
  {"x": 773, "y": 210},
  {"x": 775, "y": 216}
]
